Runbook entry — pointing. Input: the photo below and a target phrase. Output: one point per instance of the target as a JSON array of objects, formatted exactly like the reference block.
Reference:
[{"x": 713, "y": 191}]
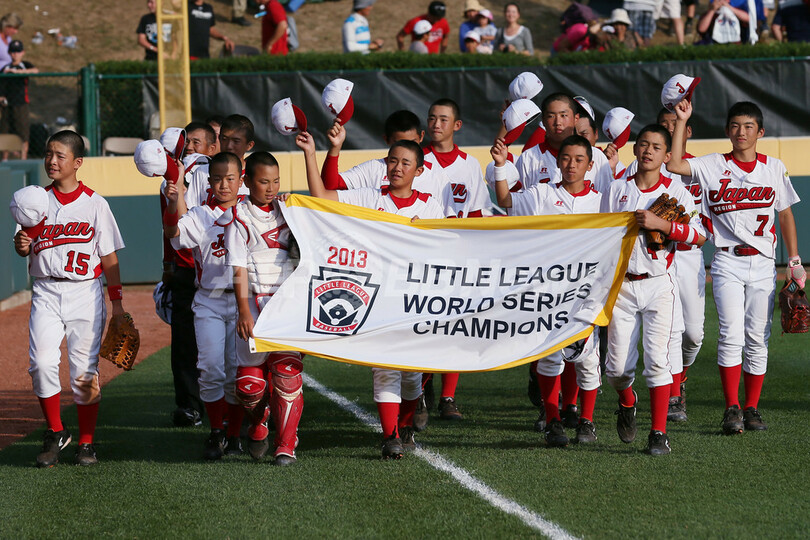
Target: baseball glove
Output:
[
  {"x": 795, "y": 309},
  {"x": 121, "y": 344},
  {"x": 667, "y": 208}
]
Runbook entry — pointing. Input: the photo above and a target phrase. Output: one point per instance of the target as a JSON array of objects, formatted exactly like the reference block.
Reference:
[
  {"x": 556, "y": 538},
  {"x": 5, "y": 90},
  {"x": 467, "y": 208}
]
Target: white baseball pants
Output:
[
  {"x": 215, "y": 317},
  {"x": 391, "y": 386},
  {"x": 586, "y": 365},
  {"x": 690, "y": 277}
]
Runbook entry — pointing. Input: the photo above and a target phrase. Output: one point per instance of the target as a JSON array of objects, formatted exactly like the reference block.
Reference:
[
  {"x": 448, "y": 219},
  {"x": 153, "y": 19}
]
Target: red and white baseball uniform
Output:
[
  {"x": 68, "y": 297},
  {"x": 740, "y": 201},
  {"x": 198, "y": 188},
  {"x": 470, "y": 197},
  {"x": 539, "y": 163}
]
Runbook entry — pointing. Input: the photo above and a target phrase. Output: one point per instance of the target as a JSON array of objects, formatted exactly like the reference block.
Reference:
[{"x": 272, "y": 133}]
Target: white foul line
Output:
[{"x": 468, "y": 481}]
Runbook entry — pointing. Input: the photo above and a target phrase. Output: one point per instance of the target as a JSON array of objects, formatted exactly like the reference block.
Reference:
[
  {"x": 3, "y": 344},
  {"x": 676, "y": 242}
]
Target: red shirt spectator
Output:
[
  {"x": 439, "y": 32},
  {"x": 274, "y": 29}
]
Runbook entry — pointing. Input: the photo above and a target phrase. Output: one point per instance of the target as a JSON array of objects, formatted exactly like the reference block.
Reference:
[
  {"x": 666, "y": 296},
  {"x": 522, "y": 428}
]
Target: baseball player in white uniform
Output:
[
  {"x": 396, "y": 393},
  {"x": 741, "y": 192},
  {"x": 647, "y": 295},
  {"x": 214, "y": 303},
  {"x": 572, "y": 195},
  {"x": 258, "y": 241},
  {"x": 76, "y": 243}
]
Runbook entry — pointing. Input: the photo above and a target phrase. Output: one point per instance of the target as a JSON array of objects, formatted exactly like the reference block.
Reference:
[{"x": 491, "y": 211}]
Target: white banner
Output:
[{"x": 450, "y": 295}]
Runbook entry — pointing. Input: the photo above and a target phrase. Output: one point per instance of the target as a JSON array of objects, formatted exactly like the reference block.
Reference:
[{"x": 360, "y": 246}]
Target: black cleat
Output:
[
  {"x": 258, "y": 449},
  {"x": 733, "y": 421},
  {"x": 533, "y": 389},
  {"x": 86, "y": 455},
  {"x": 555, "y": 434},
  {"x": 570, "y": 416},
  {"x": 406, "y": 435},
  {"x": 53, "y": 442},
  {"x": 215, "y": 445},
  {"x": 186, "y": 417},
  {"x": 283, "y": 460},
  {"x": 586, "y": 432},
  {"x": 233, "y": 446},
  {"x": 753, "y": 420},
  {"x": 420, "y": 415},
  {"x": 626, "y": 421},
  {"x": 658, "y": 444},
  {"x": 677, "y": 410},
  {"x": 392, "y": 448},
  {"x": 448, "y": 409},
  {"x": 540, "y": 423}
]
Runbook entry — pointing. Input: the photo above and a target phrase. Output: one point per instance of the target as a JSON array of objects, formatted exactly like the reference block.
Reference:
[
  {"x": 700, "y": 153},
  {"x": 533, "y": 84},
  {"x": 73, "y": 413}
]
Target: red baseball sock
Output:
[
  {"x": 659, "y": 405},
  {"x": 730, "y": 378},
  {"x": 425, "y": 378},
  {"x": 570, "y": 390},
  {"x": 406, "y": 410},
  {"x": 753, "y": 388},
  {"x": 389, "y": 414},
  {"x": 675, "y": 387},
  {"x": 449, "y": 383},
  {"x": 51, "y": 410},
  {"x": 87, "y": 422},
  {"x": 550, "y": 390},
  {"x": 587, "y": 403},
  {"x": 216, "y": 413},
  {"x": 683, "y": 374},
  {"x": 235, "y": 415},
  {"x": 627, "y": 397}
]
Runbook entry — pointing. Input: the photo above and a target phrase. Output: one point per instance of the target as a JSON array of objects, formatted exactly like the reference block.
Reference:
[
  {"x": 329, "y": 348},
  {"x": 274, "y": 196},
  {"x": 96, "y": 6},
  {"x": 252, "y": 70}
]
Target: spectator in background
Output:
[
  {"x": 439, "y": 31},
  {"x": 671, "y": 9},
  {"x": 274, "y": 28},
  {"x": 514, "y": 37},
  {"x": 723, "y": 23},
  {"x": 201, "y": 29},
  {"x": 239, "y": 9},
  {"x": 147, "y": 32},
  {"x": 15, "y": 96},
  {"x": 486, "y": 29},
  {"x": 642, "y": 17},
  {"x": 421, "y": 32},
  {"x": 356, "y": 32},
  {"x": 471, "y": 9},
  {"x": 472, "y": 41},
  {"x": 10, "y": 24},
  {"x": 792, "y": 21},
  {"x": 690, "y": 15},
  {"x": 616, "y": 27}
]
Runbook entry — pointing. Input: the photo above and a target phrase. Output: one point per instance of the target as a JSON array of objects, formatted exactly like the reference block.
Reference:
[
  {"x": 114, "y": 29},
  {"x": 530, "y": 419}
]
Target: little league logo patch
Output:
[{"x": 339, "y": 301}]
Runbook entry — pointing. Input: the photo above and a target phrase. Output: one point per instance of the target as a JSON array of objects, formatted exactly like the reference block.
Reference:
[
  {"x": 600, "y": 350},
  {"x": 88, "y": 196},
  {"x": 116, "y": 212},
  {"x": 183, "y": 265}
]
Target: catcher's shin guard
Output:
[
  {"x": 287, "y": 401},
  {"x": 250, "y": 386}
]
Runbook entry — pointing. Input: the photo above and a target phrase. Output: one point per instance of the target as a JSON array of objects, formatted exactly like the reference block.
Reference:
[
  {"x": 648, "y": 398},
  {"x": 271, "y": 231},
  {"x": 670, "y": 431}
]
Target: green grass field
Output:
[{"x": 152, "y": 481}]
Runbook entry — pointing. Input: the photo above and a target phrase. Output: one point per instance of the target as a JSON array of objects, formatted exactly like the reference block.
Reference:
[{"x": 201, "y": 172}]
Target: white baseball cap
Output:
[
  {"x": 587, "y": 106},
  {"x": 619, "y": 15},
  {"x": 677, "y": 89},
  {"x": 519, "y": 114},
  {"x": 617, "y": 125},
  {"x": 525, "y": 86},
  {"x": 473, "y": 35},
  {"x": 337, "y": 99},
  {"x": 287, "y": 118},
  {"x": 486, "y": 13},
  {"x": 152, "y": 159},
  {"x": 174, "y": 141},
  {"x": 422, "y": 27},
  {"x": 29, "y": 208}
]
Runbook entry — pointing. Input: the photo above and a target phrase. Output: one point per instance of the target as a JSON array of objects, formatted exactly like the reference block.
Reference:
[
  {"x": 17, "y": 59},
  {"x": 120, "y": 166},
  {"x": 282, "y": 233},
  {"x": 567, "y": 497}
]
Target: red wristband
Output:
[
  {"x": 170, "y": 219},
  {"x": 116, "y": 292},
  {"x": 680, "y": 232}
]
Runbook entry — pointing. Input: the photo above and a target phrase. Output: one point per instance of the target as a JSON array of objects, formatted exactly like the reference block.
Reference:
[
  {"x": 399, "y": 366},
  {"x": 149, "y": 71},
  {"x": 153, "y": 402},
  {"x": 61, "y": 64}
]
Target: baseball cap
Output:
[
  {"x": 676, "y": 89},
  {"x": 29, "y": 208},
  {"x": 422, "y": 27},
  {"x": 174, "y": 141},
  {"x": 617, "y": 125},
  {"x": 287, "y": 118},
  {"x": 587, "y": 106},
  {"x": 525, "y": 86},
  {"x": 437, "y": 9},
  {"x": 619, "y": 15},
  {"x": 473, "y": 35},
  {"x": 519, "y": 114},
  {"x": 152, "y": 159},
  {"x": 337, "y": 99},
  {"x": 362, "y": 4},
  {"x": 486, "y": 13},
  {"x": 15, "y": 46}
]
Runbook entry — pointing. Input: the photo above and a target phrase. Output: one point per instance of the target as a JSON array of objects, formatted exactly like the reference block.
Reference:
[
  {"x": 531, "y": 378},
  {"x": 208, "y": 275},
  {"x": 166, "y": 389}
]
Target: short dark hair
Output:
[
  {"x": 664, "y": 111},
  {"x": 227, "y": 158},
  {"x": 210, "y": 134},
  {"x": 447, "y": 102},
  {"x": 745, "y": 108},
  {"x": 580, "y": 110},
  {"x": 71, "y": 139},
  {"x": 257, "y": 159},
  {"x": 661, "y": 130},
  {"x": 215, "y": 119},
  {"x": 238, "y": 122},
  {"x": 560, "y": 96},
  {"x": 413, "y": 147},
  {"x": 402, "y": 120},
  {"x": 578, "y": 140}
]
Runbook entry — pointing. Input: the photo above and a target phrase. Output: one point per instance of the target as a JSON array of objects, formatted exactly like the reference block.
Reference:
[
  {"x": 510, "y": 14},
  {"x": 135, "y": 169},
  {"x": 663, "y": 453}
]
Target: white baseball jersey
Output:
[
  {"x": 421, "y": 205},
  {"x": 549, "y": 199},
  {"x": 200, "y": 232},
  {"x": 79, "y": 230},
  {"x": 470, "y": 195},
  {"x": 539, "y": 163},
  {"x": 259, "y": 239},
  {"x": 739, "y": 200},
  {"x": 198, "y": 189},
  {"x": 625, "y": 196}
]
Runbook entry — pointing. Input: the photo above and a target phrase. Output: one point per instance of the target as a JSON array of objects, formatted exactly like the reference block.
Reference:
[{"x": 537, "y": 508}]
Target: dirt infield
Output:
[{"x": 19, "y": 409}]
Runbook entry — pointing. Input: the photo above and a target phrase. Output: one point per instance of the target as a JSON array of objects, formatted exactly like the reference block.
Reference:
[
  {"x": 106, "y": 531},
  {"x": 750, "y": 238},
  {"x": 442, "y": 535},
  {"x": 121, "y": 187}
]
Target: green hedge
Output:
[{"x": 392, "y": 60}]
